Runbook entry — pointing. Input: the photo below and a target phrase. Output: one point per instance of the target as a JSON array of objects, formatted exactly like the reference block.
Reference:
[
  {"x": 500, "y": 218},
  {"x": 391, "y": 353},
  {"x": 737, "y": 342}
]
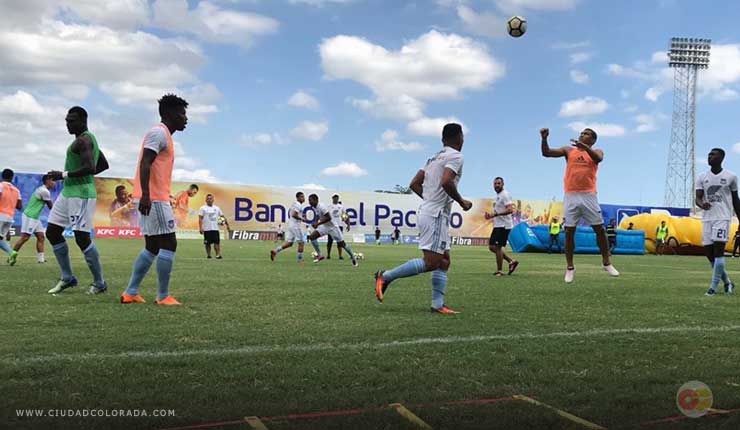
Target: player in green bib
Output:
[
  {"x": 75, "y": 207},
  {"x": 31, "y": 224}
]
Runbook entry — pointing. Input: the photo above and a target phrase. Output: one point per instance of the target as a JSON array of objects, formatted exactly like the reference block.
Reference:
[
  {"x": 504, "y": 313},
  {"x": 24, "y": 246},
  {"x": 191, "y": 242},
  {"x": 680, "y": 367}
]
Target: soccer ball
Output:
[
  {"x": 359, "y": 256},
  {"x": 314, "y": 255},
  {"x": 516, "y": 26},
  {"x": 221, "y": 220}
]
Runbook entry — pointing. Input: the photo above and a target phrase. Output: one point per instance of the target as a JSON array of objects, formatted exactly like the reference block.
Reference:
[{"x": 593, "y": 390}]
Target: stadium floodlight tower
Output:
[{"x": 686, "y": 57}]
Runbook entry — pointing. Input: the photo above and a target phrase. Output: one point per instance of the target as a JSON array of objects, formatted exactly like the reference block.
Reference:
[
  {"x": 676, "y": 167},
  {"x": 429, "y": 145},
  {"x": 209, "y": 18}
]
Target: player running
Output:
[
  {"x": 295, "y": 232},
  {"x": 436, "y": 183},
  {"x": 503, "y": 222},
  {"x": 580, "y": 201},
  {"x": 75, "y": 207},
  {"x": 10, "y": 200},
  {"x": 716, "y": 193},
  {"x": 323, "y": 225},
  {"x": 31, "y": 224},
  {"x": 152, "y": 195}
]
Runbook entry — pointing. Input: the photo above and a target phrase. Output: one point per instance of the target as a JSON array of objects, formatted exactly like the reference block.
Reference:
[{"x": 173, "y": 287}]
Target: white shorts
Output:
[
  {"x": 581, "y": 205},
  {"x": 331, "y": 230},
  {"x": 434, "y": 233},
  {"x": 5, "y": 228},
  {"x": 714, "y": 231},
  {"x": 73, "y": 212},
  {"x": 295, "y": 234},
  {"x": 161, "y": 219},
  {"x": 31, "y": 226}
]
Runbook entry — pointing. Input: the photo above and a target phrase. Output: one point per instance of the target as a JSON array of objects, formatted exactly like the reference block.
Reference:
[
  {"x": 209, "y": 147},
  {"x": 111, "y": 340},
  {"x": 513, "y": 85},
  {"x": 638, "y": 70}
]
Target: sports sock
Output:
[
  {"x": 439, "y": 283},
  {"x": 409, "y": 268},
  {"x": 5, "y": 246},
  {"x": 92, "y": 258},
  {"x": 165, "y": 259},
  {"x": 61, "y": 252},
  {"x": 315, "y": 244},
  {"x": 719, "y": 268},
  {"x": 141, "y": 265}
]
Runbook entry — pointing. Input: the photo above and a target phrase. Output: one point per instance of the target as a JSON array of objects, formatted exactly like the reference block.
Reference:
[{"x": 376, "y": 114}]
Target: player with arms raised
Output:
[{"x": 436, "y": 183}]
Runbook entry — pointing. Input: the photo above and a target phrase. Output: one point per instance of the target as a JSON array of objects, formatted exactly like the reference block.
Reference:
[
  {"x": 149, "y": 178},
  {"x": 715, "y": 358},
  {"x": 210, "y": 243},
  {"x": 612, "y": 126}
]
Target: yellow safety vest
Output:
[
  {"x": 662, "y": 232},
  {"x": 554, "y": 228}
]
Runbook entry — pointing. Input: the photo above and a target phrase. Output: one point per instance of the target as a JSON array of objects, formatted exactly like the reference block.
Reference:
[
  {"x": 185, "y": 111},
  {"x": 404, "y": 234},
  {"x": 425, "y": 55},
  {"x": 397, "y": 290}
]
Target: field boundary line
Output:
[
  {"x": 562, "y": 413},
  {"x": 322, "y": 347}
]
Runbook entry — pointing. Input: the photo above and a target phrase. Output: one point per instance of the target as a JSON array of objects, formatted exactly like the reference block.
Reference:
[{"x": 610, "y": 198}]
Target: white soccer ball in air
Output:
[{"x": 516, "y": 26}]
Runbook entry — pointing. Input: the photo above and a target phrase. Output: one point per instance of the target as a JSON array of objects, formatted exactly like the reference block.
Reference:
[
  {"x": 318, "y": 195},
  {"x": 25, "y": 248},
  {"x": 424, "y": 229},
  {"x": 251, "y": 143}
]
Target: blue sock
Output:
[
  {"x": 719, "y": 268},
  {"x": 141, "y": 265},
  {"x": 349, "y": 251},
  {"x": 725, "y": 278},
  {"x": 439, "y": 283},
  {"x": 5, "y": 246},
  {"x": 278, "y": 249},
  {"x": 92, "y": 257},
  {"x": 300, "y": 256},
  {"x": 165, "y": 259},
  {"x": 315, "y": 244},
  {"x": 409, "y": 268},
  {"x": 61, "y": 252}
]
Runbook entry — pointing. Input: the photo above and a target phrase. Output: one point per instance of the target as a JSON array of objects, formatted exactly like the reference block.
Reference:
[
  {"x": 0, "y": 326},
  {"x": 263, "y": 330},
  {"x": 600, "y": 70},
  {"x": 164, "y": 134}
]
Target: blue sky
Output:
[{"x": 351, "y": 94}]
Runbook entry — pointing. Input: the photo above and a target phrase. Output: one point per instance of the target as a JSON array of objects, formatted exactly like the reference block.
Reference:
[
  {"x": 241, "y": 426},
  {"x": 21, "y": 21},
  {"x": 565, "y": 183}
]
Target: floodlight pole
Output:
[{"x": 686, "y": 57}]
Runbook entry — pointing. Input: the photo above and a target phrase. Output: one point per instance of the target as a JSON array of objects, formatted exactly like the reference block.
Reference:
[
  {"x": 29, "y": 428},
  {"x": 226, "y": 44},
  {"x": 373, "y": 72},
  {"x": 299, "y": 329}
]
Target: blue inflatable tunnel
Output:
[{"x": 536, "y": 238}]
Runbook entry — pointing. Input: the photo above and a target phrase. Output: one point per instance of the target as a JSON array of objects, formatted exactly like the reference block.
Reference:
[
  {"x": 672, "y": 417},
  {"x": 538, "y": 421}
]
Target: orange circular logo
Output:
[{"x": 694, "y": 399}]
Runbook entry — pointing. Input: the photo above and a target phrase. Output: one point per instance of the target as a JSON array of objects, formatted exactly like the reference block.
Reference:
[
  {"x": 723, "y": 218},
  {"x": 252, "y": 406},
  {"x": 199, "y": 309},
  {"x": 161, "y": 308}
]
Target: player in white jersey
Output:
[
  {"x": 336, "y": 210},
  {"x": 323, "y": 225},
  {"x": 295, "y": 232},
  {"x": 436, "y": 183},
  {"x": 503, "y": 222},
  {"x": 209, "y": 216},
  {"x": 716, "y": 193}
]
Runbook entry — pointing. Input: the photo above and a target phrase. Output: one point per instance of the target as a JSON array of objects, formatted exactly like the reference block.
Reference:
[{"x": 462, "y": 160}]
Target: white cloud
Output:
[
  {"x": 119, "y": 14},
  {"x": 571, "y": 45},
  {"x": 212, "y": 23},
  {"x": 580, "y": 57},
  {"x": 514, "y": 6},
  {"x": 196, "y": 175},
  {"x": 304, "y": 100},
  {"x": 344, "y": 169},
  {"x": 646, "y": 123},
  {"x": 320, "y": 3},
  {"x": 258, "y": 140},
  {"x": 584, "y": 106},
  {"x": 431, "y": 126},
  {"x": 21, "y": 103},
  {"x": 310, "y": 130},
  {"x": 736, "y": 148},
  {"x": 579, "y": 77},
  {"x": 653, "y": 93},
  {"x": 401, "y": 107},
  {"x": 659, "y": 57},
  {"x": 601, "y": 129},
  {"x": 389, "y": 142},
  {"x": 483, "y": 23},
  {"x": 312, "y": 186},
  {"x": 630, "y": 108}
]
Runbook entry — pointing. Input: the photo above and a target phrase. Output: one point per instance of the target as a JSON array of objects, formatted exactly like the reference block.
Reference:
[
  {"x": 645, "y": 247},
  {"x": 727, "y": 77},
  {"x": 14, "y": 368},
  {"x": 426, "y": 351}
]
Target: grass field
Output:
[{"x": 272, "y": 339}]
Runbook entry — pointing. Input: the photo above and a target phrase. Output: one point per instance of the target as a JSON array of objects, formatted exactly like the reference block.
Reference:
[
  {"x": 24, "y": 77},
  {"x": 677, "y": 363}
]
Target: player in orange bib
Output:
[
  {"x": 580, "y": 200},
  {"x": 10, "y": 200},
  {"x": 152, "y": 196}
]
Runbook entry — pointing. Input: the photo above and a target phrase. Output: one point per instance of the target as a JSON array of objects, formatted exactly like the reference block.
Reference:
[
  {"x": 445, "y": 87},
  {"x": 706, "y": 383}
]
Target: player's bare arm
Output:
[
  {"x": 102, "y": 164},
  {"x": 145, "y": 167},
  {"x": 545, "y": 146},
  {"x": 417, "y": 183},
  {"x": 84, "y": 147},
  {"x": 736, "y": 203},
  {"x": 699, "y": 200},
  {"x": 448, "y": 184}
]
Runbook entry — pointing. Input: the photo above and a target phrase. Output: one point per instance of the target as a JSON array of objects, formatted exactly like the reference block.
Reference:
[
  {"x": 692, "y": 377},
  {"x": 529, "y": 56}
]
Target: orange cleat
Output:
[
  {"x": 444, "y": 310},
  {"x": 272, "y": 255},
  {"x": 380, "y": 285},
  {"x": 169, "y": 301},
  {"x": 128, "y": 298}
]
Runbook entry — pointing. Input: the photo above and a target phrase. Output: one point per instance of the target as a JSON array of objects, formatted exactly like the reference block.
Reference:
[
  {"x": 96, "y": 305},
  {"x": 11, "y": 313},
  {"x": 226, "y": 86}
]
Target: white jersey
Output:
[
  {"x": 717, "y": 192},
  {"x": 336, "y": 211},
  {"x": 321, "y": 210},
  {"x": 210, "y": 216},
  {"x": 295, "y": 207},
  {"x": 436, "y": 201},
  {"x": 503, "y": 199}
]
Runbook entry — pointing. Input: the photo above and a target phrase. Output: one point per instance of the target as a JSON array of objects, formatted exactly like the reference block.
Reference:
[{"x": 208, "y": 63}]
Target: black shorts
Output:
[
  {"x": 211, "y": 237},
  {"x": 499, "y": 237}
]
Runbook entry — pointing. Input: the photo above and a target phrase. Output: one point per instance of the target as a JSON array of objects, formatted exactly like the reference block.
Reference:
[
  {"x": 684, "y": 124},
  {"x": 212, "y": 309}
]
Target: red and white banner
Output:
[{"x": 132, "y": 232}]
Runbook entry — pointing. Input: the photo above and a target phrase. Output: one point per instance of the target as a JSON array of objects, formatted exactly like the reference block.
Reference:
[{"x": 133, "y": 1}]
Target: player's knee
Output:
[
  {"x": 54, "y": 234},
  {"x": 82, "y": 239},
  {"x": 168, "y": 242}
]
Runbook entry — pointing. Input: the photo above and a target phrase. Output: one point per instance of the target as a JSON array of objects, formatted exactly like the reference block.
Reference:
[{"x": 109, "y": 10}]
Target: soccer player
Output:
[
  {"x": 209, "y": 216},
  {"x": 10, "y": 200},
  {"x": 716, "y": 193},
  {"x": 377, "y": 235},
  {"x": 580, "y": 201},
  {"x": 75, "y": 207},
  {"x": 182, "y": 203},
  {"x": 436, "y": 183},
  {"x": 324, "y": 225},
  {"x": 31, "y": 225},
  {"x": 503, "y": 222},
  {"x": 295, "y": 231},
  {"x": 152, "y": 182},
  {"x": 280, "y": 233},
  {"x": 396, "y": 236},
  {"x": 337, "y": 217}
]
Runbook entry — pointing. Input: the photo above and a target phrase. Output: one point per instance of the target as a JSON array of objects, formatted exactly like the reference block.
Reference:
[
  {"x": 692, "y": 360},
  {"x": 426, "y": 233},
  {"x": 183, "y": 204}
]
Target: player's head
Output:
[
  {"x": 716, "y": 157},
  {"x": 313, "y": 200},
  {"x": 121, "y": 193},
  {"x": 498, "y": 184},
  {"x": 76, "y": 120},
  {"x": 662, "y": 223},
  {"x": 172, "y": 110},
  {"x": 335, "y": 199},
  {"x": 452, "y": 135},
  {"x": 300, "y": 197},
  {"x": 193, "y": 190},
  {"x": 209, "y": 199},
  {"x": 48, "y": 182},
  {"x": 588, "y": 136},
  {"x": 8, "y": 176}
]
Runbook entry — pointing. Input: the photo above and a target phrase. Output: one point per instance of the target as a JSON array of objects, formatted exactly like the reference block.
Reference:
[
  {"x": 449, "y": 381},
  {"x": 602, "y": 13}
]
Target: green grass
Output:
[{"x": 326, "y": 341}]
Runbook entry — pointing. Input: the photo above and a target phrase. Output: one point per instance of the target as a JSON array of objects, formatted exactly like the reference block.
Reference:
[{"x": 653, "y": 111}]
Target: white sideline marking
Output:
[{"x": 262, "y": 349}]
